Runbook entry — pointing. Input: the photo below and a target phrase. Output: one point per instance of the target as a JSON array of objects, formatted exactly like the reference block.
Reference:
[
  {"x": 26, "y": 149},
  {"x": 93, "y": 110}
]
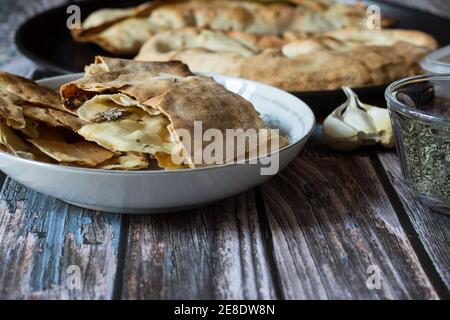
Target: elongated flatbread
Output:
[
  {"x": 123, "y": 31},
  {"x": 104, "y": 18},
  {"x": 326, "y": 62}
]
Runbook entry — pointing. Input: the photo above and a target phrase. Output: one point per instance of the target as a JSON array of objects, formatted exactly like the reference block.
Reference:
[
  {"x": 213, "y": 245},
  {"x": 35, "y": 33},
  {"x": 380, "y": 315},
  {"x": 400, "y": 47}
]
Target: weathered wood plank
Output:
[
  {"x": 23, "y": 237},
  {"x": 433, "y": 229},
  {"x": 41, "y": 237},
  {"x": 211, "y": 253},
  {"x": 330, "y": 220}
]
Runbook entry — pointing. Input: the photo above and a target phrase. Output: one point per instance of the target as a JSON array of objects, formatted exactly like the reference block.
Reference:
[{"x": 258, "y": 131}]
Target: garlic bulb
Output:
[{"x": 355, "y": 124}]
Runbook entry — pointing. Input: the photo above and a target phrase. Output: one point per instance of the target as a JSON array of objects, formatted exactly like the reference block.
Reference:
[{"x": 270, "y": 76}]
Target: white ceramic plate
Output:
[{"x": 165, "y": 191}]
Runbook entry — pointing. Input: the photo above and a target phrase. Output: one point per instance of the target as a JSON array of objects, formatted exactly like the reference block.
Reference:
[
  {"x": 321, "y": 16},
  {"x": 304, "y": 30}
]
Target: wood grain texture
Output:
[
  {"x": 433, "y": 229},
  {"x": 212, "y": 253},
  {"x": 41, "y": 237},
  {"x": 330, "y": 220}
]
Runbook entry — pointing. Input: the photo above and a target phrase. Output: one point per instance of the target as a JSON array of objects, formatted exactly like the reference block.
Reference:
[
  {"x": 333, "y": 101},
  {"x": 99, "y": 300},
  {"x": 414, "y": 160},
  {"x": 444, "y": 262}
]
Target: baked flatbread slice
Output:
[
  {"x": 11, "y": 143},
  {"x": 26, "y": 111},
  {"x": 11, "y": 111},
  {"x": 84, "y": 153},
  {"x": 23, "y": 100},
  {"x": 15, "y": 91},
  {"x": 26, "y": 90},
  {"x": 131, "y": 107},
  {"x": 35, "y": 125},
  {"x": 52, "y": 117},
  {"x": 65, "y": 147},
  {"x": 125, "y": 161},
  {"x": 31, "y": 129},
  {"x": 109, "y": 74}
]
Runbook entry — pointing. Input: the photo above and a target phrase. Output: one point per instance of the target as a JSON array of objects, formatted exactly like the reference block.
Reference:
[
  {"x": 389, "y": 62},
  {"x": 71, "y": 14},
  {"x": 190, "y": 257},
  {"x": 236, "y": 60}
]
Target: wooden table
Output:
[{"x": 318, "y": 230}]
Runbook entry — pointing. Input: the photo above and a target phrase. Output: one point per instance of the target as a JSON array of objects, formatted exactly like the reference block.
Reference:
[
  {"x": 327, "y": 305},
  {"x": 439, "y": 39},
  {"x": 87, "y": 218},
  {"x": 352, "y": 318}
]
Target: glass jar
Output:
[
  {"x": 420, "y": 114},
  {"x": 437, "y": 62}
]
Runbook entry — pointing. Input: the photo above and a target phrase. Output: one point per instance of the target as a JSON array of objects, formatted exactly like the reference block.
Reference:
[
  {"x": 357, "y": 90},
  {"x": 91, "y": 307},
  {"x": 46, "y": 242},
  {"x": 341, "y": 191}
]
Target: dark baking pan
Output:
[{"x": 46, "y": 40}]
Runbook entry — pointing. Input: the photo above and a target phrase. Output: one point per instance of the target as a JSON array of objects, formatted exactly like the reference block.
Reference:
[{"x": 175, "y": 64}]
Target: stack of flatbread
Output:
[
  {"x": 124, "y": 31},
  {"x": 347, "y": 57},
  {"x": 297, "y": 45},
  {"x": 126, "y": 115},
  {"x": 34, "y": 125}
]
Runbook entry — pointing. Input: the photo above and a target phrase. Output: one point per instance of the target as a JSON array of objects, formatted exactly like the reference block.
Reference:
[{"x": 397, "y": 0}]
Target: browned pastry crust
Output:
[{"x": 345, "y": 57}]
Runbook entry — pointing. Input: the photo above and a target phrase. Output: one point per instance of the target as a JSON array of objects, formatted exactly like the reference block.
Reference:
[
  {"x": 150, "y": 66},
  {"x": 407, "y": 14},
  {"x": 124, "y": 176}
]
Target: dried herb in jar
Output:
[{"x": 427, "y": 157}]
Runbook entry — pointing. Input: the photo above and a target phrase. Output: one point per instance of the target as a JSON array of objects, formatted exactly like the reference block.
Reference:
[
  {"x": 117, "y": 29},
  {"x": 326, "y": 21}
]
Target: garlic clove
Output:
[
  {"x": 339, "y": 135},
  {"x": 383, "y": 125},
  {"x": 354, "y": 124},
  {"x": 355, "y": 115},
  {"x": 359, "y": 120}
]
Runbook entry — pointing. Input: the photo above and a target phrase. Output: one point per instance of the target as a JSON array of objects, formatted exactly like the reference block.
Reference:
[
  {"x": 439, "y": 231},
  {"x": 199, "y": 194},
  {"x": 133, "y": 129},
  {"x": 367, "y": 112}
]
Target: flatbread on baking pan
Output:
[
  {"x": 123, "y": 31},
  {"x": 325, "y": 62}
]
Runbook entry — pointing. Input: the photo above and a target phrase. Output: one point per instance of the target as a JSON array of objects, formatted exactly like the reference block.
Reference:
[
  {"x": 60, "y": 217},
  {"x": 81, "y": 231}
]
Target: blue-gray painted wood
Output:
[{"x": 41, "y": 237}]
